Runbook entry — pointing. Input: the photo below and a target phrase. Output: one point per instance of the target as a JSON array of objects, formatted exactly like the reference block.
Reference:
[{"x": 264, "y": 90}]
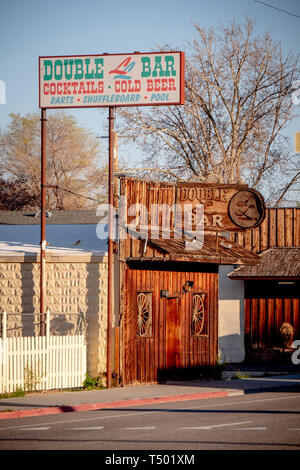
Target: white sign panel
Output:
[{"x": 112, "y": 80}]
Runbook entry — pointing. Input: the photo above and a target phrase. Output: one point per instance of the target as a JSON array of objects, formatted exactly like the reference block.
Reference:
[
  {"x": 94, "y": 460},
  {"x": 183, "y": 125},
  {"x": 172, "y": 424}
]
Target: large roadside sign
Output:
[
  {"x": 155, "y": 78},
  {"x": 107, "y": 80}
]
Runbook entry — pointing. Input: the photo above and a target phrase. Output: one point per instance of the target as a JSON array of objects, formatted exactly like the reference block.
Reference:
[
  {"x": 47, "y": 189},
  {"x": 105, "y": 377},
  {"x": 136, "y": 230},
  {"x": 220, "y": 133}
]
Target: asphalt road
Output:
[{"x": 263, "y": 421}]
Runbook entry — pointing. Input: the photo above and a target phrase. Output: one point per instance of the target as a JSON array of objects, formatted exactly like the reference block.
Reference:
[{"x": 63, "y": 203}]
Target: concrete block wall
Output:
[
  {"x": 231, "y": 318},
  {"x": 74, "y": 284}
]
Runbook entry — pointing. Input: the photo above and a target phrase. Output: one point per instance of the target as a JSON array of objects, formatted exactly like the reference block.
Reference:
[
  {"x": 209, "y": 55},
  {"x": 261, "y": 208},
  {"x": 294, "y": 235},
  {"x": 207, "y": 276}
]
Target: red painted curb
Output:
[{"x": 111, "y": 404}]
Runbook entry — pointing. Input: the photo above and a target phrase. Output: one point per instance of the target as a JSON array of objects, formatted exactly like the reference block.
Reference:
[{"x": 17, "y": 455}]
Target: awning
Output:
[
  {"x": 211, "y": 248},
  {"x": 273, "y": 263}
]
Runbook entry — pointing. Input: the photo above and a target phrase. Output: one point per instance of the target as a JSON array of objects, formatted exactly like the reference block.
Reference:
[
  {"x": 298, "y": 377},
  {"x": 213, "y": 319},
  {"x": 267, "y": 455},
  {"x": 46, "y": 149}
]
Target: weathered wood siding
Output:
[
  {"x": 144, "y": 359},
  {"x": 280, "y": 228},
  {"x": 140, "y": 196},
  {"x": 265, "y": 311}
]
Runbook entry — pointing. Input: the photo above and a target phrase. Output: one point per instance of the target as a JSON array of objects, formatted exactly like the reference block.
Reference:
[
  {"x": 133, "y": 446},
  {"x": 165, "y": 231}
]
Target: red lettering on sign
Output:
[
  {"x": 127, "y": 86},
  {"x": 81, "y": 88},
  {"x": 161, "y": 84},
  {"x": 66, "y": 89}
]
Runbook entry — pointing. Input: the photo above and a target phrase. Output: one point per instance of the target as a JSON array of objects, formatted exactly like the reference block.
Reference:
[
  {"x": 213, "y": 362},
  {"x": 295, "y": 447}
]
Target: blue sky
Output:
[{"x": 33, "y": 28}]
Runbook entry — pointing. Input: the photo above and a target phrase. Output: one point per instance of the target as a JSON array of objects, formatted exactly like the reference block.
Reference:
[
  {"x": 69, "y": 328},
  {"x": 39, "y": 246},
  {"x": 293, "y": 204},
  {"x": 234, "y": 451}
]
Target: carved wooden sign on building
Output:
[
  {"x": 225, "y": 207},
  {"x": 188, "y": 207}
]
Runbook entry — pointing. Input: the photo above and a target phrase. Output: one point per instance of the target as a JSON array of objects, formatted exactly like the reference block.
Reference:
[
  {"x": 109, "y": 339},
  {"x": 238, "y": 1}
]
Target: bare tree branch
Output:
[{"x": 238, "y": 104}]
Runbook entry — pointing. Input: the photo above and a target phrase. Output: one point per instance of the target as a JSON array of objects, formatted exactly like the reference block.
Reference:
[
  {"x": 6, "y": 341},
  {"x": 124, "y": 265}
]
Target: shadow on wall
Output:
[
  {"x": 93, "y": 316},
  {"x": 231, "y": 317},
  {"x": 61, "y": 326},
  {"x": 230, "y": 348},
  {"x": 190, "y": 373},
  {"x": 28, "y": 291}
]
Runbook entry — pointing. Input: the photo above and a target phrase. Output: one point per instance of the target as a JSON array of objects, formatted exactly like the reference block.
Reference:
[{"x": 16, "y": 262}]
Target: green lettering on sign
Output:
[
  {"x": 48, "y": 69},
  {"x": 158, "y": 67},
  {"x": 58, "y": 69},
  {"x": 170, "y": 66},
  {"x": 88, "y": 74},
  {"x": 68, "y": 73},
  {"x": 79, "y": 72},
  {"x": 99, "y": 70},
  {"x": 146, "y": 71}
]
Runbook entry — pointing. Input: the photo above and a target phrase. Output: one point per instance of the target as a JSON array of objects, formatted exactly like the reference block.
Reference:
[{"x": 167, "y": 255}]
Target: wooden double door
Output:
[{"x": 158, "y": 340}]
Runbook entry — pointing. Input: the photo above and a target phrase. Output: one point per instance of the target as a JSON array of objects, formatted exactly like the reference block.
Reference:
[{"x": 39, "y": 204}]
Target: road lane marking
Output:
[
  {"x": 82, "y": 419},
  {"x": 242, "y": 402},
  {"x": 211, "y": 405},
  {"x": 141, "y": 428},
  {"x": 262, "y": 428},
  {"x": 35, "y": 429},
  {"x": 89, "y": 428},
  {"x": 216, "y": 425}
]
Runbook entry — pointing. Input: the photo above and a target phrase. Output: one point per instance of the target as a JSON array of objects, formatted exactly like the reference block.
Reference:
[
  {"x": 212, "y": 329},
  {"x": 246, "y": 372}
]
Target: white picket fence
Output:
[{"x": 41, "y": 362}]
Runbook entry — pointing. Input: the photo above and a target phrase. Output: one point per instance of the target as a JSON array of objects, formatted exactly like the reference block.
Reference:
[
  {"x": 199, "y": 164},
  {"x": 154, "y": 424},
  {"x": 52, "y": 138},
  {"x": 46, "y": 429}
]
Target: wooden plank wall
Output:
[
  {"x": 264, "y": 316},
  {"x": 145, "y": 194},
  {"x": 281, "y": 228},
  {"x": 143, "y": 358}
]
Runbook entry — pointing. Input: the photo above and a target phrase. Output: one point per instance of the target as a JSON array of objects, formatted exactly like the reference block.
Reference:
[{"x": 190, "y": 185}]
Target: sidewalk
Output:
[{"x": 46, "y": 403}]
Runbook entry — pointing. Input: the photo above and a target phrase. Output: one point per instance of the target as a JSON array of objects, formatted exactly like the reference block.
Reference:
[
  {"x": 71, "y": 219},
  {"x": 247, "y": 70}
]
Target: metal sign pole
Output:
[
  {"x": 111, "y": 119},
  {"x": 138, "y": 91},
  {"x": 43, "y": 223}
]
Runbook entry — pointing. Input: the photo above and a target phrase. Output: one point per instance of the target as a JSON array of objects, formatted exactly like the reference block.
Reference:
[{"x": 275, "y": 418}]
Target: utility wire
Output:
[
  {"x": 97, "y": 200},
  {"x": 72, "y": 192},
  {"x": 275, "y": 8}
]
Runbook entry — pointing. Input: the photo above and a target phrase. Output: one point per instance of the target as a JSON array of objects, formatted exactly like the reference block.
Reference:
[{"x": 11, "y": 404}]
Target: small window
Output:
[
  {"x": 144, "y": 314},
  {"x": 199, "y": 314}
]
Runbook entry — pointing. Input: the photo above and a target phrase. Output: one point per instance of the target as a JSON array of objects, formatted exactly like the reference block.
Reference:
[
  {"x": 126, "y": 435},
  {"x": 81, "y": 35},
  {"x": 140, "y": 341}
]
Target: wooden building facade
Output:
[
  {"x": 280, "y": 228},
  {"x": 167, "y": 331},
  {"x": 168, "y": 326},
  {"x": 272, "y": 288}
]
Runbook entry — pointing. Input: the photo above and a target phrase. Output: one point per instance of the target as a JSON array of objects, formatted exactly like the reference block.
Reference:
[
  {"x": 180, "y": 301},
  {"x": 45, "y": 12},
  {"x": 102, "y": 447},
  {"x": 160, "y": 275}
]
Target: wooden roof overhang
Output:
[
  {"x": 213, "y": 248},
  {"x": 274, "y": 264}
]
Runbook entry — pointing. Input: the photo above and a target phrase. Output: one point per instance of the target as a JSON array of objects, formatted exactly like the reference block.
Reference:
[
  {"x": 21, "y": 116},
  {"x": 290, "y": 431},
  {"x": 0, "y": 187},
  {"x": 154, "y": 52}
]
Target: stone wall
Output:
[{"x": 74, "y": 284}]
